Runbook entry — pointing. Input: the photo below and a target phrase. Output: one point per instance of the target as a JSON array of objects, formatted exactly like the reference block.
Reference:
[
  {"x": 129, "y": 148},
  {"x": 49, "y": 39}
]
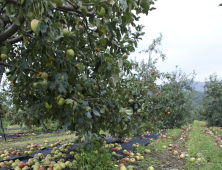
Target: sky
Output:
[{"x": 192, "y": 36}]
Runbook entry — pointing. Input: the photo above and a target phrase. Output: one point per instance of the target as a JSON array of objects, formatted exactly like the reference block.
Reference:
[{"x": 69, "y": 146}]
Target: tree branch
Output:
[
  {"x": 14, "y": 28},
  {"x": 11, "y": 30},
  {"x": 19, "y": 38},
  {"x": 160, "y": 108},
  {"x": 10, "y": 65}
]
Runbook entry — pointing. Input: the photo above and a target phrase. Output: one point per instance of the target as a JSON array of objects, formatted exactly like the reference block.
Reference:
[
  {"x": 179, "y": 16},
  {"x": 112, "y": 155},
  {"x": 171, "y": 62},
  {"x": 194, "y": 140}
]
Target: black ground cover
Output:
[{"x": 127, "y": 146}]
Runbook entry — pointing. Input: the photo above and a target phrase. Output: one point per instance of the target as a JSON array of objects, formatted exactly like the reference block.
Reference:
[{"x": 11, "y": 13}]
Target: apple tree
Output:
[
  {"x": 212, "y": 101},
  {"x": 66, "y": 57},
  {"x": 176, "y": 93}
]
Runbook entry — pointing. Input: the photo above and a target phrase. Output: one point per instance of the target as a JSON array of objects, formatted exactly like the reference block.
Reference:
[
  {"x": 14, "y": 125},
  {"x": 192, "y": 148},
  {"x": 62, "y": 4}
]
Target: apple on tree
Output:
[
  {"x": 34, "y": 25},
  {"x": 131, "y": 101},
  {"x": 70, "y": 53},
  {"x": 4, "y": 57},
  {"x": 65, "y": 32}
]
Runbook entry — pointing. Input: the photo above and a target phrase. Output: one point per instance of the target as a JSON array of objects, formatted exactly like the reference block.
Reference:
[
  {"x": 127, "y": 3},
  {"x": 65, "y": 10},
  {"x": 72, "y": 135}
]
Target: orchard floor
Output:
[{"x": 194, "y": 140}]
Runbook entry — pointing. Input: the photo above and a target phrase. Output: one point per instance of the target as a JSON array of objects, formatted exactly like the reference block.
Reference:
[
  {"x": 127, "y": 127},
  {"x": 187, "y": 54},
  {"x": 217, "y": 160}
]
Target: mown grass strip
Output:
[{"x": 202, "y": 146}]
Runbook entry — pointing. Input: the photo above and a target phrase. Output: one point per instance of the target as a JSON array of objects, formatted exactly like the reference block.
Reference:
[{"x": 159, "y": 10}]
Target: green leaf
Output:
[
  {"x": 89, "y": 115},
  {"x": 88, "y": 108},
  {"x": 84, "y": 76},
  {"x": 43, "y": 27},
  {"x": 84, "y": 11},
  {"x": 80, "y": 66},
  {"x": 15, "y": 21},
  {"x": 69, "y": 101},
  {"x": 62, "y": 88},
  {"x": 102, "y": 110},
  {"x": 96, "y": 113}
]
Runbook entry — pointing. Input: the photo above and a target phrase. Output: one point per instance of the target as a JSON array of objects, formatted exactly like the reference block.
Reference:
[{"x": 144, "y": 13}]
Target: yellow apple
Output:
[
  {"x": 34, "y": 25},
  {"x": 4, "y": 57},
  {"x": 44, "y": 76}
]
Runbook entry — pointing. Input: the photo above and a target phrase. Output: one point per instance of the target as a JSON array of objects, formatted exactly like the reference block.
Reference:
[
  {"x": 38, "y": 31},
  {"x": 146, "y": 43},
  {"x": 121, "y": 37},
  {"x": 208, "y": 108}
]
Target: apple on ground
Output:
[
  {"x": 147, "y": 151},
  {"x": 192, "y": 159},
  {"x": 150, "y": 168},
  {"x": 182, "y": 156},
  {"x": 175, "y": 153},
  {"x": 124, "y": 151},
  {"x": 131, "y": 154},
  {"x": 132, "y": 160},
  {"x": 137, "y": 158}
]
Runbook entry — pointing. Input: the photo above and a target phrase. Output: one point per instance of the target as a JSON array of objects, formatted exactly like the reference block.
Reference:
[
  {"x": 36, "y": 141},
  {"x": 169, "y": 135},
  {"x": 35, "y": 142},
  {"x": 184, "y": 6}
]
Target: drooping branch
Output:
[
  {"x": 14, "y": 28},
  {"x": 10, "y": 65},
  {"x": 11, "y": 30},
  {"x": 160, "y": 108},
  {"x": 73, "y": 8},
  {"x": 19, "y": 38}
]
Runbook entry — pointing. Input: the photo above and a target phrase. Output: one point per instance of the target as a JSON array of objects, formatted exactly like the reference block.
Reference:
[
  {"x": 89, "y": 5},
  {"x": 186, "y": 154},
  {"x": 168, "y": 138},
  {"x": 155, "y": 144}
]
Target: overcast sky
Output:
[{"x": 192, "y": 36}]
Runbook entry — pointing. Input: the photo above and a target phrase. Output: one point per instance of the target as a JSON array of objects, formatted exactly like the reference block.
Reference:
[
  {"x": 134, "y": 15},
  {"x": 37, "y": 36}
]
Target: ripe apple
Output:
[
  {"x": 123, "y": 159},
  {"x": 192, "y": 159},
  {"x": 113, "y": 149},
  {"x": 137, "y": 158},
  {"x": 164, "y": 146},
  {"x": 14, "y": 153},
  {"x": 147, "y": 151},
  {"x": 113, "y": 153},
  {"x": 170, "y": 149},
  {"x": 34, "y": 25},
  {"x": 150, "y": 168},
  {"x": 125, "y": 57},
  {"x": 70, "y": 53},
  {"x": 175, "y": 153},
  {"x": 65, "y": 32},
  {"x": 182, "y": 156},
  {"x": 101, "y": 13},
  {"x": 124, "y": 151},
  {"x": 141, "y": 157},
  {"x": 18, "y": 154},
  {"x": 131, "y": 101},
  {"x": 4, "y": 57},
  {"x": 168, "y": 113},
  {"x": 132, "y": 160},
  {"x": 131, "y": 154},
  {"x": 175, "y": 146},
  {"x": 181, "y": 153},
  {"x": 122, "y": 168},
  {"x": 61, "y": 101},
  {"x": 35, "y": 84},
  {"x": 44, "y": 76},
  {"x": 58, "y": 2}
]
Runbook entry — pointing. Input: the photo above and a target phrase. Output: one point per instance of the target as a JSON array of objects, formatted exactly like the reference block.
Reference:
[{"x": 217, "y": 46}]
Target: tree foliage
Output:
[{"x": 212, "y": 101}]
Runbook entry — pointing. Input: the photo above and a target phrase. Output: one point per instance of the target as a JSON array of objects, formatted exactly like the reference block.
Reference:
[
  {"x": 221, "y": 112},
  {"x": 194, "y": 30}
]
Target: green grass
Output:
[{"x": 203, "y": 146}]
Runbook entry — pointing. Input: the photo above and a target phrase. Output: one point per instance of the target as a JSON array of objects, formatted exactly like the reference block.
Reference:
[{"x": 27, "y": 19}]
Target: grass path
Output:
[{"x": 203, "y": 146}]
